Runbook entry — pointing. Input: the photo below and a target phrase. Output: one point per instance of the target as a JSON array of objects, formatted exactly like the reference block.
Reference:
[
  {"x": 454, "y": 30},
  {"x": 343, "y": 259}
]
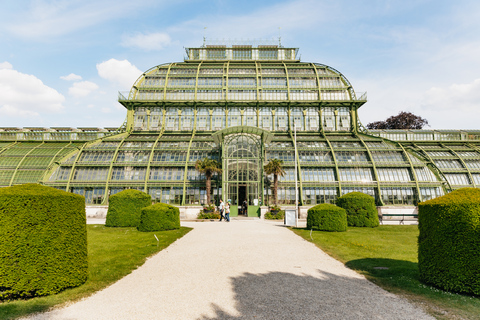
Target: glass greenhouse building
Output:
[{"x": 243, "y": 105}]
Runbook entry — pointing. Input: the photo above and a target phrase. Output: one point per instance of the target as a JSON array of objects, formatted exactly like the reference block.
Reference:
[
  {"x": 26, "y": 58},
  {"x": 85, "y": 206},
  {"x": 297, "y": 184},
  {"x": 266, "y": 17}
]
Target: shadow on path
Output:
[{"x": 279, "y": 295}]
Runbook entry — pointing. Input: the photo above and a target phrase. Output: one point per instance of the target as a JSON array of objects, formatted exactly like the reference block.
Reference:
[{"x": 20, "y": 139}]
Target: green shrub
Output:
[
  {"x": 279, "y": 216},
  {"x": 327, "y": 217},
  {"x": 159, "y": 217},
  {"x": 124, "y": 208},
  {"x": 449, "y": 241},
  {"x": 43, "y": 241},
  {"x": 275, "y": 208},
  {"x": 360, "y": 208},
  {"x": 210, "y": 207},
  {"x": 209, "y": 215}
]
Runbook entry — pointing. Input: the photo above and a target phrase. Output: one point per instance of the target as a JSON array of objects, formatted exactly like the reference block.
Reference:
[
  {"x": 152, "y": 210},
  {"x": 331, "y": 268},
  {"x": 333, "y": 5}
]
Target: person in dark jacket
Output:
[{"x": 245, "y": 207}]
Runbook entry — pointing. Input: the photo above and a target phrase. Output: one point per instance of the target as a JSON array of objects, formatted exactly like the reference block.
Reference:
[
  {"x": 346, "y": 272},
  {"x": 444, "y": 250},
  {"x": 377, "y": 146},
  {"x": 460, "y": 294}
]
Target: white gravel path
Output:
[{"x": 241, "y": 270}]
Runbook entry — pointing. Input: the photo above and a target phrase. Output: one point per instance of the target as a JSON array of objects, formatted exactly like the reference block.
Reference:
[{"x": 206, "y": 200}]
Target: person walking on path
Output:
[
  {"x": 245, "y": 207},
  {"x": 221, "y": 207},
  {"x": 227, "y": 211}
]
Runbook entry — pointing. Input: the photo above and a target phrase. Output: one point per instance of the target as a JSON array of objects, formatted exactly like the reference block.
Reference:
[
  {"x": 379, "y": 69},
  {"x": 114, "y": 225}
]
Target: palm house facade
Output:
[{"x": 242, "y": 106}]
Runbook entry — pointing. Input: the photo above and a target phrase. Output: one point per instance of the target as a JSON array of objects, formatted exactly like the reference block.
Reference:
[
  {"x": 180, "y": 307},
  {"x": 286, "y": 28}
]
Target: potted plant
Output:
[{"x": 274, "y": 209}]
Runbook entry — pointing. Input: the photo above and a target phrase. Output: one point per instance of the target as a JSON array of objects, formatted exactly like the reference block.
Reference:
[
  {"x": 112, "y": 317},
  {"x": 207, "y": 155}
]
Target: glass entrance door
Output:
[{"x": 242, "y": 177}]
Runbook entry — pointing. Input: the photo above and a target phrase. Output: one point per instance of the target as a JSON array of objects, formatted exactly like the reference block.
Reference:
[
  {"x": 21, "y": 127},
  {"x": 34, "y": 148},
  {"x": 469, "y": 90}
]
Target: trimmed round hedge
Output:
[
  {"x": 124, "y": 208},
  {"x": 159, "y": 217},
  {"x": 43, "y": 241},
  {"x": 360, "y": 208},
  {"x": 449, "y": 241},
  {"x": 327, "y": 217}
]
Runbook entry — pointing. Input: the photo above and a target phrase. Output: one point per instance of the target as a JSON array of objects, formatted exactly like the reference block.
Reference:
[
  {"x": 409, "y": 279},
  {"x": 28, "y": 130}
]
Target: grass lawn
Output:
[
  {"x": 387, "y": 256},
  {"x": 112, "y": 254}
]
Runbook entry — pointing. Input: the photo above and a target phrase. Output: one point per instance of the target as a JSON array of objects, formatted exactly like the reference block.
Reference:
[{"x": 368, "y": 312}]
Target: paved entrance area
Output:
[{"x": 245, "y": 269}]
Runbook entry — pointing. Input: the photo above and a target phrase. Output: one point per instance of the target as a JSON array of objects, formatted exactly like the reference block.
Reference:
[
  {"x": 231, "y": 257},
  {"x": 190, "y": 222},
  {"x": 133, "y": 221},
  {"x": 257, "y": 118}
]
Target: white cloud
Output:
[
  {"x": 25, "y": 95},
  {"x": 71, "y": 77},
  {"x": 150, "y": 41},
  {"x": 12, "y": 111},
  {"x": 5, "y": 65},
  {"x": 465, "y": 96},
  {"x": 119, "y": 72},
  {"x": 44, "y": 19},
  {"x": 82, "y": 89}
]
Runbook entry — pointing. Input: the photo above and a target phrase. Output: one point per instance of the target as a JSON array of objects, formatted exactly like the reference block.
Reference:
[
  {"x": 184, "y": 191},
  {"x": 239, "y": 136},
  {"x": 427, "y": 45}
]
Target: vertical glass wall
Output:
[
  {"x": 234, "y": 117},
  {"x": 267, "y": 118},
  {"x": 242, "y": 168}
]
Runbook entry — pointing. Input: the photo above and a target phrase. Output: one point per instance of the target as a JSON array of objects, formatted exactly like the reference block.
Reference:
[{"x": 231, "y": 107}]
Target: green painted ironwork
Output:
[
  {"x": 166, "y": 81},
  {"x": 50, "y": 166},
  {"x": 437, "y": 172},
  {"x": 319, "y": 87},
  {"x": 150, "y": 159},
  {"x": 110, "y": 169},
  {"x": 299, "y": 170},
  {"x": 248, "y": 173},
  {"x": 287, "y": 66},
  {"x": 265, "y": 135},
  {"x": 196, "y": 81},
  {"x": 375, "y": 173},
  {"x": 258, "y": 78},
  {"x": 412, "y": 168},
  {"x": 21, "y": 161},
  {"x": 337, "y": 171},
  {"x": 8, "y": 146},
  {"x": 472, "y": 181},
  {"x": 288, "y": 82},
  {"x": 187, "y": 159},
  {"x": 225, "y": 79},
  {"x": 321, "y": 127},
  {"x": 70, "y": 176},
  {"x": 279, "y": 83}
]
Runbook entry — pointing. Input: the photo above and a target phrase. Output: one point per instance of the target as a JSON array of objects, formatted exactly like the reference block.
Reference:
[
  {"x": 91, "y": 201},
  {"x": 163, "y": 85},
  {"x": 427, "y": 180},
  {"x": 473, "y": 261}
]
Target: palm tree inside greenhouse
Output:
[
  {"x": 275, "y": 167},
  {"x": 208, "y": 167}
]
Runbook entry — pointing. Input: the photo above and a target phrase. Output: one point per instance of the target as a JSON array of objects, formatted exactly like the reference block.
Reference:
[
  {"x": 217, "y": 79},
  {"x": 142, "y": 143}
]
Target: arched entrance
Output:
[{"x": 242, "y": 163}]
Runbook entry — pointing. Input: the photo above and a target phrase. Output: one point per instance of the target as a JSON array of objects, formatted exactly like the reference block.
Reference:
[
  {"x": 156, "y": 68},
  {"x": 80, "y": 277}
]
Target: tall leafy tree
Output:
[
  {"x": 208, "y": 167},
  {"x": 275, "y": 167},
  {"x": 404, "y": 120}
]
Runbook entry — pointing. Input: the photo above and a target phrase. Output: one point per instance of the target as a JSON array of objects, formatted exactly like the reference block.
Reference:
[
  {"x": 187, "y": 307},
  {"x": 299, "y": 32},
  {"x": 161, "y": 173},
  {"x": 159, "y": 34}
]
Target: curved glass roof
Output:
[{"x": 240, "y": 81}]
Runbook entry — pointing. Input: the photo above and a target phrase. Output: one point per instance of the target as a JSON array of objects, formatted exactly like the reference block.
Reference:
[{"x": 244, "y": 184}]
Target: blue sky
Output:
[{"x": 62, "y": 62}]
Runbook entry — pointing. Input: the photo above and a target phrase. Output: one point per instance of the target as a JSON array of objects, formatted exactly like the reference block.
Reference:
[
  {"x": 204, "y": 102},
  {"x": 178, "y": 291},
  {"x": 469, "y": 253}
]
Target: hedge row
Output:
[
  {"x": 124, "y": 208},
  {"x": 449, "y": 241},
  {"x": 43, "y": 241}
]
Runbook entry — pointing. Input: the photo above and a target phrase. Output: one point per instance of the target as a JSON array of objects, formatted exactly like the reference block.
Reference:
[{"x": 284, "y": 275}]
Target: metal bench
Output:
[
  {"x": 402, "y": 217},
  {"x": 397, "y": 213}
]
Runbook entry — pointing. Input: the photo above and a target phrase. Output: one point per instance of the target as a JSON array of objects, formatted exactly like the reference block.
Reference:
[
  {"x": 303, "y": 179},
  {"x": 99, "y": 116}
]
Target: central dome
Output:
[{"x": 219, "y": 74}]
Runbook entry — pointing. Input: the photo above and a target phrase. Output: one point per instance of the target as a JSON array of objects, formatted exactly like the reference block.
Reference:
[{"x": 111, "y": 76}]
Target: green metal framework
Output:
[{"x": 180, "y": 112}]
